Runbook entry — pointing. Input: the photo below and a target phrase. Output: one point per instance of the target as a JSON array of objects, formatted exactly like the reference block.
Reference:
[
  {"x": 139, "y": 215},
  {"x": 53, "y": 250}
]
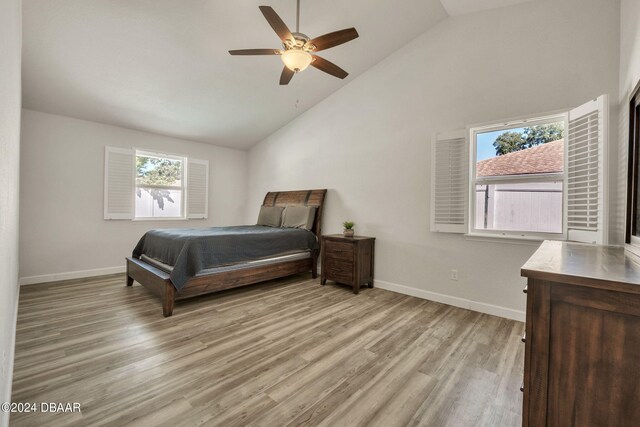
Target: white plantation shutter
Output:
[
  {"x": 586, "y": 174},
  {"x": 118, "y": 183},
  {"x": 449, "y": 182},
  {"x": 197, "y": 188}
]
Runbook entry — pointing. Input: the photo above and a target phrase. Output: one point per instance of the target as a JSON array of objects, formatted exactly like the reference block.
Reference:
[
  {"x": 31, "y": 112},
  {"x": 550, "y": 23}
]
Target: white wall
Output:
[
  {"x": 10, "y": 101},
  {"x": 368, "y": 143},
  {"x": 629, "y": 47},
  {"x": 62, "y": 229},
  {"x": 629, "y": 78}
]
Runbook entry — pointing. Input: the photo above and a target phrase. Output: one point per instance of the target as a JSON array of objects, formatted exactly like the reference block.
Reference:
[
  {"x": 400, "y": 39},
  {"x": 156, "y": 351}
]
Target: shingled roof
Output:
[{"x": 545, "y": 158}]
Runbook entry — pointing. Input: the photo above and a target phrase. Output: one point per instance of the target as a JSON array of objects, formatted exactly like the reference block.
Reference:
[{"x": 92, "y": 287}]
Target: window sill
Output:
[
  {"x": 511, "y": 239},
  {"x": 160, "y": 219}
]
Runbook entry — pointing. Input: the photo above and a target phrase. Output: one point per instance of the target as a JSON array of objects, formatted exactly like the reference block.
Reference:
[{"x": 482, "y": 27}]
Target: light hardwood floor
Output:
[{"x": 286, "y": 352}]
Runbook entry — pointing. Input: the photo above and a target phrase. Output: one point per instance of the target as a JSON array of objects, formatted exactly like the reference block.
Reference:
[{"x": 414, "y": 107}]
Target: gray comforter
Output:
[{"x": 191, "y": 250}]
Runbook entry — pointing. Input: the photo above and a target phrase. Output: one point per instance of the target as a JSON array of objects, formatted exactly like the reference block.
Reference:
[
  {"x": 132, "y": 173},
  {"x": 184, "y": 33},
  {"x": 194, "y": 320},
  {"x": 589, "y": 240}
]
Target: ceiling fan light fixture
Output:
[{"x": 296, "y": 59}]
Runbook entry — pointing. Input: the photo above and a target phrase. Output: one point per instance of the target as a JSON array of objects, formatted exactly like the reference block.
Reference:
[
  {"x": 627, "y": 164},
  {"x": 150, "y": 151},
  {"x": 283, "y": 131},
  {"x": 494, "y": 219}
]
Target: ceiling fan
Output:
[{"x": 298, "y": 49}]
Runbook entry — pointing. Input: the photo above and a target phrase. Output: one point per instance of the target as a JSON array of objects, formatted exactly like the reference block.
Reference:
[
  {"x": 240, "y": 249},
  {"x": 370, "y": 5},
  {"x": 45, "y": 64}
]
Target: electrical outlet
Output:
[{"x": 454, "y": 275}]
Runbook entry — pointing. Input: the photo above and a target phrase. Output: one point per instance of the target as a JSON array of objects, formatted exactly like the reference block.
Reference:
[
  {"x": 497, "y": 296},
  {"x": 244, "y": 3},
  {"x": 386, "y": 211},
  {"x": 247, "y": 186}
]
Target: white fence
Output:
[{"x": 522, "y": 207}]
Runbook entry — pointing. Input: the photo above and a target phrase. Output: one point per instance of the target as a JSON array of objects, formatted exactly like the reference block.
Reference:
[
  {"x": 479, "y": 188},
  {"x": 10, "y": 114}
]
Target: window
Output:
[
  {"x": 542, "y": 178},
  {"x": 518, "y": 178},
  {"x": 160, "y": 186},
  {"x": 632, "y": 239},
  {"x": 142, "y": 184}
]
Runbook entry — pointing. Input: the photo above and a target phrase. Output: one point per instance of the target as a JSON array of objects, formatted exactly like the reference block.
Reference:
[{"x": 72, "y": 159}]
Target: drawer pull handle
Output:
[
  {"x": 524, "y": 337},
  {"x": 522, "y": 387},
  {"x": 526, "y": 287}
]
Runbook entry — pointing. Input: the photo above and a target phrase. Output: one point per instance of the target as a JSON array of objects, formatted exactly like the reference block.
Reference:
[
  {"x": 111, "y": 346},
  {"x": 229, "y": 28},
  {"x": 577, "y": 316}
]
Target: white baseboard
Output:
[
  {"x": 32, "y": 280},
  {"x": 494, "y": 310}
]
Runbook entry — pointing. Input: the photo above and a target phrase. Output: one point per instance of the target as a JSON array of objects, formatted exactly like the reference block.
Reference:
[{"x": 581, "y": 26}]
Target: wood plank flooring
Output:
[{"x": 286, "y": 352}]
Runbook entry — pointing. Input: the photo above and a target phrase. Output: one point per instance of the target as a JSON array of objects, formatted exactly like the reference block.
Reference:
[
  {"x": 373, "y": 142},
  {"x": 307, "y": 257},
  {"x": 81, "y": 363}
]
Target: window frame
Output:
[
  {"x": 183, "y": 180},
  {"x": 552, "y": 117},
  {"x": 632, "y": 242}
]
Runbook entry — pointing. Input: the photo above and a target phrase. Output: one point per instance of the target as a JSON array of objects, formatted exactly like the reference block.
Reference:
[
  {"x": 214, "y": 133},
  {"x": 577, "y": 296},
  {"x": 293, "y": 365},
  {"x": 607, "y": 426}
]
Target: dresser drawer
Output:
[
  {"x": 340, "y": 271},
  {"x": 338, "y": 250}
]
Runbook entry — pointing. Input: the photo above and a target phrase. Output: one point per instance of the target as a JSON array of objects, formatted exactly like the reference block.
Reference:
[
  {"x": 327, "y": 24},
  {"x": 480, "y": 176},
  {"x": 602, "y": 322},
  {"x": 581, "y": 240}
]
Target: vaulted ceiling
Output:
[{"x": 162, "y": 65}]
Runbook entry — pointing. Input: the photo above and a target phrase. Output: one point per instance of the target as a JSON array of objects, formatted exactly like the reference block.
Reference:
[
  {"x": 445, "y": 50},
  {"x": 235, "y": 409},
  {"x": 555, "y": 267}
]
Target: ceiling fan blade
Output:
[
  {"x": 333, "y": 39},
  {"x": 328, "y": 67},
  {"x": 286, "y": 76},
  {"x": 276, "y": 23},
  {"x": 255, "y": 52}
]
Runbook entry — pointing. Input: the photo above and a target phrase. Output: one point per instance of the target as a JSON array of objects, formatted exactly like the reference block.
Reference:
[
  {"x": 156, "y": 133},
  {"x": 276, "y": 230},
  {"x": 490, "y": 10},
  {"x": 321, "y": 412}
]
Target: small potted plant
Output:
[{"x": 348, "y": 228}]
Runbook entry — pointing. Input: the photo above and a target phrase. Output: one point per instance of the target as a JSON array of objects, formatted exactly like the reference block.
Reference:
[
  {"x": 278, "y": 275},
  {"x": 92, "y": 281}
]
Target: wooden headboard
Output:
[{"x": 301, "y": 198}]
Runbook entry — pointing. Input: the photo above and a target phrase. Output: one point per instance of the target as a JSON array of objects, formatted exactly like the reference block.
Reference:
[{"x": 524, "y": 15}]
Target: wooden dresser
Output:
[
  {"x": 348, "y": 260},
  {"x": 582, "y": 342}
]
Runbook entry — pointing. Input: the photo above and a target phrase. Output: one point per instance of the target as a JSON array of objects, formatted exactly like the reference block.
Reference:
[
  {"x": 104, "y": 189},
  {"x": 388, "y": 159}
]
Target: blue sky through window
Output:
[{"x": 484, "y": 143}]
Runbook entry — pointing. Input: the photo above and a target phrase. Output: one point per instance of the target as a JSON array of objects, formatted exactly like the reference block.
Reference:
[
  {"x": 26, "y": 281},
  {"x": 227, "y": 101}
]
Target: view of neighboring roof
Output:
[{"x": 545, "y": 158}]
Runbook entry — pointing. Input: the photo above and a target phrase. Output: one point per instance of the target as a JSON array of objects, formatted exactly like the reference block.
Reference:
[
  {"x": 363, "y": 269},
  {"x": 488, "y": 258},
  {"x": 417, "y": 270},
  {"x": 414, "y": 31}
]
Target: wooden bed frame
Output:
[{"x": 159, "y": 283}]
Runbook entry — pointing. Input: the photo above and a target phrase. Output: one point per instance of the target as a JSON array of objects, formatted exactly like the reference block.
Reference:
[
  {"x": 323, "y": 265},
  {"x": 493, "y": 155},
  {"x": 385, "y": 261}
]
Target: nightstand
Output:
[{"x": 348, "y": 260}]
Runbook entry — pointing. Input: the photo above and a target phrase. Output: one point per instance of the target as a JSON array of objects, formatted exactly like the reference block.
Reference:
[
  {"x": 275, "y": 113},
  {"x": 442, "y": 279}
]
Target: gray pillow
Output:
[
  {"x": 271, "y": 216},
  {"x": 299, "y": 217}
]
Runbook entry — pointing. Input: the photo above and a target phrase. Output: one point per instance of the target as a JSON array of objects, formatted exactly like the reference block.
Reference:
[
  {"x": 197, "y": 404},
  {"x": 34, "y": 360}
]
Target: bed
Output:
[{"x": 288, "y": 259}]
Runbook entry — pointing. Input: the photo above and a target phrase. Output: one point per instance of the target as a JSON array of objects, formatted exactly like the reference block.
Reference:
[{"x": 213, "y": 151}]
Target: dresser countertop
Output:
[{"x": 572, "y": 263}]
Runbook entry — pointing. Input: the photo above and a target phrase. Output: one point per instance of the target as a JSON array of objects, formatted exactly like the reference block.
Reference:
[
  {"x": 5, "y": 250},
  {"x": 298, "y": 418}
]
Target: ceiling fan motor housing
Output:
[{"x": 301, "y": 41}]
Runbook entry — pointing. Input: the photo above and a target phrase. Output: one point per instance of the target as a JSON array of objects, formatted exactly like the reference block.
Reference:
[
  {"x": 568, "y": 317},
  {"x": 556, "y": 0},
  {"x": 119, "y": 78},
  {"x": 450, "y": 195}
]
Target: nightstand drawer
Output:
[
  {"x": 338, "y": 270},
  {"x": 339, "y": 250}
]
